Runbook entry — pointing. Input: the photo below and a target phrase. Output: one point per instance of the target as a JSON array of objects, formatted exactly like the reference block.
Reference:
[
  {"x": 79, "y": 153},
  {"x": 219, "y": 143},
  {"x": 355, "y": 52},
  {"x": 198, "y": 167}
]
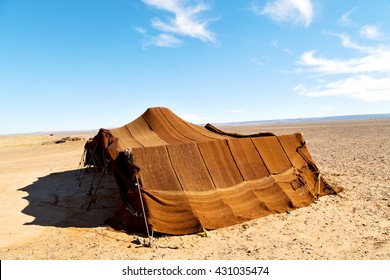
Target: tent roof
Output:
[{"x": 160, "y": 126}]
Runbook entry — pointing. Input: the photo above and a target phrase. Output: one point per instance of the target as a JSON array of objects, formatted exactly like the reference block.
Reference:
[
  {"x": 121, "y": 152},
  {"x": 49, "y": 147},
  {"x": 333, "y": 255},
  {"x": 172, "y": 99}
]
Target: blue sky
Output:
[{"x": 87, "y": 64}]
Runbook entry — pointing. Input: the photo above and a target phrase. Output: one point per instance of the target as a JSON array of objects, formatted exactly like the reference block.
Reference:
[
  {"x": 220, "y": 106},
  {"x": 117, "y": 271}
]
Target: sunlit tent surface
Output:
[{"x": 184, "y": 178}]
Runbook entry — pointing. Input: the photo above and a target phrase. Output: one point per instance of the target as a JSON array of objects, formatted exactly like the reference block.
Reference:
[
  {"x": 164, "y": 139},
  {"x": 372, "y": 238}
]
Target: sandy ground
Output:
[{"x": 44, "y": 209}]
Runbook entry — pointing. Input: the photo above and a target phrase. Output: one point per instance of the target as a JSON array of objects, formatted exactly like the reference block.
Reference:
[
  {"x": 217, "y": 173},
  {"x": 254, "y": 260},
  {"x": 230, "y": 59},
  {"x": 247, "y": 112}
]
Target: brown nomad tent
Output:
[{"x": 175, "y": 177}]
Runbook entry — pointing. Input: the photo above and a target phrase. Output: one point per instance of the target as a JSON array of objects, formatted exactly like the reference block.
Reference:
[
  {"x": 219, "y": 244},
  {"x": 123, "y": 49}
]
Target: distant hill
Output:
[{"x": 315, "y": 119}]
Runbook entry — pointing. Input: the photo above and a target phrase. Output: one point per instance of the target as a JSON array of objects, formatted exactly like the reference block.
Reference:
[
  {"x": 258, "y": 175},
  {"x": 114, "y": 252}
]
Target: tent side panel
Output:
[
  {"x": 299, "y": 155},
  {"x": 211, "y": 209},
  {"x": 156, "y": 171},
  {"x": 292, "y": 144},
  {"x": 190, "y": 168},
  {"x": 247, "y": 158},
  {"x": 274, "y": 198},
  {"x": 220, "y": 163},
  {"x": 272, "y": 153},
  {"x": 171, "y": 216},
  {"x": 190, "y": 211},
  {"x": 229, "y": 206}
]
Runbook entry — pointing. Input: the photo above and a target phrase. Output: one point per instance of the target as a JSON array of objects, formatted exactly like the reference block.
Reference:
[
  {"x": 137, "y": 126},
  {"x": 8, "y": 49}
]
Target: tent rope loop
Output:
[
  {"x": 129, "y": 154},
  {"x": 303, "y": 190}
]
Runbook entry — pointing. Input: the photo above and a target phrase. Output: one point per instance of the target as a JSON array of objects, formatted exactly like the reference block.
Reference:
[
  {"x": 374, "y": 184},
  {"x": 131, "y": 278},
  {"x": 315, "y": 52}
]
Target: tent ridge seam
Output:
[
  {"x": 231, "y": 153},
  {"x": 173, "y": 167},
  {"x": 258, "y": 152},
  {"x": 204, "y": 162}
]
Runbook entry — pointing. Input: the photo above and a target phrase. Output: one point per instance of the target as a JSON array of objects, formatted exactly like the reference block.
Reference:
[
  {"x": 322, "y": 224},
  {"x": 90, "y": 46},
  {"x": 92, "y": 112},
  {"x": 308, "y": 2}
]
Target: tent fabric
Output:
[{"x": 194, "y": 178}]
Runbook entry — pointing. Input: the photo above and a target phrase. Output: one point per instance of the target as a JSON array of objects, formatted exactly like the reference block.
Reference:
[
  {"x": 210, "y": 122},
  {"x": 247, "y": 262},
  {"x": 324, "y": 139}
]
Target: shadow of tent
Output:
[{"x": 58, "y": 200}]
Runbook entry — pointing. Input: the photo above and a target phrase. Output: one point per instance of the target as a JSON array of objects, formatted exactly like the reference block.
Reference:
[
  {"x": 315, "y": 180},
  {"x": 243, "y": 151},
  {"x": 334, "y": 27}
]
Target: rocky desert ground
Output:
[{"x": 44, "y": 208}]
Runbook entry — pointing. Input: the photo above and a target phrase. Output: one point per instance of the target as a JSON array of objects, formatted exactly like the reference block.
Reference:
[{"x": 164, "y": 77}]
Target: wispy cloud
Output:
[
  {"x": 300, "y": 12},
  {"x": 165, "y": 40},
  {"x": 257, "y": 61},
  {"x": 365, "y": 77},
  {"x": 160, "y": 40},
  {"x": 185, "y": 21},
  {"x": 370, "y": 32},
  {"x": 347, "y": 42},
  {"x": 275, "y": 43},
  {"x": 345, "y": 19}
]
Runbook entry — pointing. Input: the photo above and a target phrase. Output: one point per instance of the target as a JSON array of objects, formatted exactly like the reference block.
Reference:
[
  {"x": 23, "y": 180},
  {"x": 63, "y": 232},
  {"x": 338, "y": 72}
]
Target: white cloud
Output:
[
  {"x": 370, "y": 32},
  {"x": 191, "y": 118},
  {"x": 185, "y": 21},
  {"x": 365, "y": 77},
  {"x": 362, "y": 87},
  {"x": 299, "y": 12},
  {"x": 375, "y": 60}
]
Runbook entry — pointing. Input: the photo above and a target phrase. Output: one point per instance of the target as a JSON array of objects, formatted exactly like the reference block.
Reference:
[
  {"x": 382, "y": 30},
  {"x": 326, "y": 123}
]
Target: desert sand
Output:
[{"x": 43, "y": 204}]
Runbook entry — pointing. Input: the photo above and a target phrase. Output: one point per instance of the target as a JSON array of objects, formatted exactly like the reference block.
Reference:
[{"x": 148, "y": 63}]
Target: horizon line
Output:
[{"x": 235, "y": 123}]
